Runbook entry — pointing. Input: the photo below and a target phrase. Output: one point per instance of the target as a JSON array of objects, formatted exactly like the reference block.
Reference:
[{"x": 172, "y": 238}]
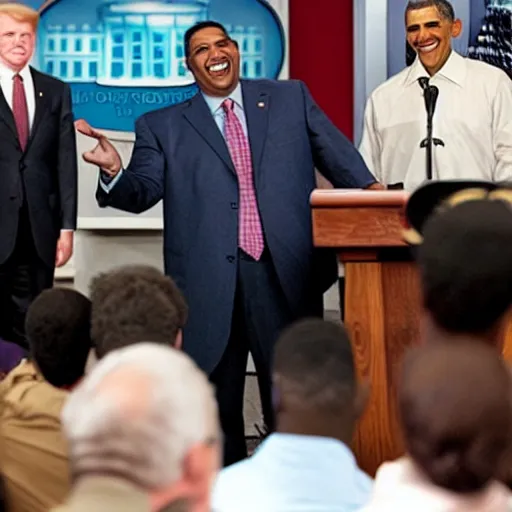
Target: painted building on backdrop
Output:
[{"x": 123, "y": 58}]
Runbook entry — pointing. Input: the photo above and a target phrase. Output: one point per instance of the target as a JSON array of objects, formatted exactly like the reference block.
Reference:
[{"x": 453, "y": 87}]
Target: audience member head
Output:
[
  {"x": 136, "y": 303},
  {"x": 57, "y": 326},
  {"x": 18, "y": 25},
  {"x": 147, "y": 415},
  {"x": 314, "y": 378},
  {"x": 466, "y": 271},
  {"x": 430, "y": 26},
  {"x": 454, "y": 403},
  {"x": 213, "y": 58}
]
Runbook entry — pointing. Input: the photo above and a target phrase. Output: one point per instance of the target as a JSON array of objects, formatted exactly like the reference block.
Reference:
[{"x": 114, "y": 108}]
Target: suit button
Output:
[
  {"x": 231, "y": 259},
  {"x": 234, "y": 206}
]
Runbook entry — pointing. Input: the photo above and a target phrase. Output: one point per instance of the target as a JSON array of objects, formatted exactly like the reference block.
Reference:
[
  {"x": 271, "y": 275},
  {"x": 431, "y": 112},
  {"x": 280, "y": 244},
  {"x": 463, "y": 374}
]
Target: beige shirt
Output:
[
  {"x": 98, "y": 494},
  {"x": 473, "y": 118},
  {"x": 33, "y": 456},
  {"x": 6, "y": 83}
]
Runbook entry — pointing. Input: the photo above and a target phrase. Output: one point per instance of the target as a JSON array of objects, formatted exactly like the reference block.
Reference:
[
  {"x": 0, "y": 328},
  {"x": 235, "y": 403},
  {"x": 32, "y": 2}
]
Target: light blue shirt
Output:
[
  {"x": 293, "y": 473},
  {"x": 215, "y": 105}
]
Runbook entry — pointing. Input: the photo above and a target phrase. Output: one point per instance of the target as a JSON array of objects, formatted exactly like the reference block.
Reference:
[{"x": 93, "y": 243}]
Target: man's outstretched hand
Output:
[{"x": 104, "y": 154}]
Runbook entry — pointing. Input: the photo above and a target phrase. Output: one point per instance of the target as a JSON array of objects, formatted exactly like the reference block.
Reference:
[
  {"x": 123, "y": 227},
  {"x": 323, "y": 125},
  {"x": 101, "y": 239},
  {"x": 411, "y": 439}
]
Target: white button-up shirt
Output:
[
  {"x": 6, "y": 83},
  {"x": 473, "y": 118}
]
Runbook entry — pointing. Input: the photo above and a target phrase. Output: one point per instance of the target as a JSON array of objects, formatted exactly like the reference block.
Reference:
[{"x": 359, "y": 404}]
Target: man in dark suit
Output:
[
  {"x": 38, "y": 172},
  {"x": 235, "y": 168}
]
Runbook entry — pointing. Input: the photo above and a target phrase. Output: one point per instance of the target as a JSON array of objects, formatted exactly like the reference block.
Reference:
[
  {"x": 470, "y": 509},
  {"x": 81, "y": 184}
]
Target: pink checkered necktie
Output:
[
  {"x": 250, "y": 232},
  {"x": 20, "y": 110}
]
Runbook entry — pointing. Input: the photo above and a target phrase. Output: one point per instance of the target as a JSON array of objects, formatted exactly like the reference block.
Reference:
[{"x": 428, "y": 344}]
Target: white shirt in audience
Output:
[
  {"x": 473, "y": 117},
  {"x": 400, "y": 487},
  {"x": 294, "y": 473}
]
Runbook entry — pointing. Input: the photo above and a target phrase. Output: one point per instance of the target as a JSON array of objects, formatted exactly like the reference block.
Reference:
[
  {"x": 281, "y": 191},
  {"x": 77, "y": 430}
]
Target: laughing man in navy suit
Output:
[{"x": 235, "y": 166}]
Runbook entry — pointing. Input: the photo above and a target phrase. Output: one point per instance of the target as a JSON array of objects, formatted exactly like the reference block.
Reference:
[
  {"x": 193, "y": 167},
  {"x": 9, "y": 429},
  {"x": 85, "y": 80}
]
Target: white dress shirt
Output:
[
  {"x": 6, "y": 83},
  {"x": 473, "y": 118},
  {"x": 401, "y": 487}
]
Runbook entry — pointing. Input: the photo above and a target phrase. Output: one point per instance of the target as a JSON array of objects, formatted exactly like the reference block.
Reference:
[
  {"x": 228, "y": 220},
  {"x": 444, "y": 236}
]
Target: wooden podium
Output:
[{"x": 382, "y": 302}]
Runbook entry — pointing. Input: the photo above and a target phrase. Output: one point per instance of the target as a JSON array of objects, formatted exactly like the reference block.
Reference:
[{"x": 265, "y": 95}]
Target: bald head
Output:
[{"x": 454, "y": 402}]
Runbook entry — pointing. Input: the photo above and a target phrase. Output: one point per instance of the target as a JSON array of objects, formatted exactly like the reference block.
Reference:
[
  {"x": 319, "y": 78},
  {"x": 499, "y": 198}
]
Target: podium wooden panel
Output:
[{"x": 382, "y": 302}]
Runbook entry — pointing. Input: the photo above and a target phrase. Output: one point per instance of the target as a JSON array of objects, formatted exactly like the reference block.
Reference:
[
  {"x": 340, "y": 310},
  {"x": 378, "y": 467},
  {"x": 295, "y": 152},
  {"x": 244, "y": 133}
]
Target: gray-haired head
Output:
[{"x": 137, "y": 415}]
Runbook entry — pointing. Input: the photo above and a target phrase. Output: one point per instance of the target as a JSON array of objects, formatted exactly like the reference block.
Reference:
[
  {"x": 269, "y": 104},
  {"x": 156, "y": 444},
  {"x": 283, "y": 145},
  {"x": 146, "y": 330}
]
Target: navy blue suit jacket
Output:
[{"x": 180, "y": 156}]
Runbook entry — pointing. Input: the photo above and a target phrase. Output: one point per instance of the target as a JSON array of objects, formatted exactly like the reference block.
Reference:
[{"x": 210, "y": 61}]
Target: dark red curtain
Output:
[{"x": 322, "y": 55}]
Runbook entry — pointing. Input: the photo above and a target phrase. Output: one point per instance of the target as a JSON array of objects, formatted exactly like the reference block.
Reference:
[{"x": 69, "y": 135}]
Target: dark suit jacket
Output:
[
  {"x": 45, "y": 173},
  {"x": 181, "y": 156}
]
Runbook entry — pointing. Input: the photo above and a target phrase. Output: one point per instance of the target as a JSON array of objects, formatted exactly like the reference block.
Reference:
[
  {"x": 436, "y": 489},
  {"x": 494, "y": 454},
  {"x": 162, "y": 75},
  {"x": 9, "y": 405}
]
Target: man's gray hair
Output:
[
  {"x": 444, "y": 7},
  {"x": 137, "y": 414}
]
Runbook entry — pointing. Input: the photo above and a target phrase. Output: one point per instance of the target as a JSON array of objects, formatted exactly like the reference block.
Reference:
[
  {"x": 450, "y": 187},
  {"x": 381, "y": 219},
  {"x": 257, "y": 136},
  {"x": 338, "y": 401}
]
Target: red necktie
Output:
[
  {"x": 20, "y": 110},
  {"x": 250, "y": 232}
]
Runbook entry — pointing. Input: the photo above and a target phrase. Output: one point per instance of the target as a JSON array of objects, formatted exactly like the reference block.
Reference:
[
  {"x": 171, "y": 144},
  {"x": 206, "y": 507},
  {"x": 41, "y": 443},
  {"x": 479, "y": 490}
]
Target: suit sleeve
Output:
[
  {"x": 141, "y": 184},
  {"x": 370, "y": 147},
  {"x": 333, "y": 154},
  {"x": 67, "y": 164}
]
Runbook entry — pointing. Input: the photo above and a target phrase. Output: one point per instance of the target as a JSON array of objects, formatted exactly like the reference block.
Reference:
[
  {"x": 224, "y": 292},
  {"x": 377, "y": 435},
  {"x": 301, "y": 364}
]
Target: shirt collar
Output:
[
  {"x": 215, "y": 102},
  {"x": 8, "y": 73},
  {"x": 322, "y": 448},
  {"x": 453, "y": 70}
]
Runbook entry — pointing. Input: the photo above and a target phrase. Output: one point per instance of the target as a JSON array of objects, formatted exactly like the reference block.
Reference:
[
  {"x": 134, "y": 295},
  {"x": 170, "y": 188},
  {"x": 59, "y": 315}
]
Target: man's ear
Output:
[
  {"x": 457, "y": 28},
  {"x": 362, "y": 397}
]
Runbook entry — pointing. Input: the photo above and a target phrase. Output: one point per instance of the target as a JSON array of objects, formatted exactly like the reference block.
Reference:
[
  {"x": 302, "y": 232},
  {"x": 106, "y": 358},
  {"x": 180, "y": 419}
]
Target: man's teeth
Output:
[
  {"x": 429, "y": 48},
  {"x": 219, "y": 67}
]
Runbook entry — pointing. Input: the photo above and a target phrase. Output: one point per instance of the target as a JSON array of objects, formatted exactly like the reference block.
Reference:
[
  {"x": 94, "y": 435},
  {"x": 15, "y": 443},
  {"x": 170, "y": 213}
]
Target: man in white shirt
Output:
[
  {"x": 307, "y": 465},
  {"x": 472, "y": 118}
]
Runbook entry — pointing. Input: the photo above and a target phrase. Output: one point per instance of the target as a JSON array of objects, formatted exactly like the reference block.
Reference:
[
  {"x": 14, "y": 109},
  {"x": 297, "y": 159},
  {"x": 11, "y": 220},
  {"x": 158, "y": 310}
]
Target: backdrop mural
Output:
[{"x": 123, "y": 58}]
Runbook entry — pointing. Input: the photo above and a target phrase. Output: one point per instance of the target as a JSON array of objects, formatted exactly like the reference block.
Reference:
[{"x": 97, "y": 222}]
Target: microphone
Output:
[
  {"x": 424, "y": 82},
  {"x": 430, "y": 95},
  {"x": 432, "y": 100}
]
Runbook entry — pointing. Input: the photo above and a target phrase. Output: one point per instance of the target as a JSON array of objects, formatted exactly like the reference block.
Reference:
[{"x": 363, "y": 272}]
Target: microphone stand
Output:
[{"x": 430, "y": 93}]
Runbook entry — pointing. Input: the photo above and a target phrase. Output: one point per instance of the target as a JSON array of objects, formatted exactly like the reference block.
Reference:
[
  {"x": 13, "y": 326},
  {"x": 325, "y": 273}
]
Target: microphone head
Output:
[{"x": 423, "y": 81}]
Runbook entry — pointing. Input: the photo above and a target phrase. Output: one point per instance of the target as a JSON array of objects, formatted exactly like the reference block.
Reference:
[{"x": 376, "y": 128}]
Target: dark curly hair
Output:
[
  {"x": 57, "y": 326},
  {"x": 132, "y": 304}
]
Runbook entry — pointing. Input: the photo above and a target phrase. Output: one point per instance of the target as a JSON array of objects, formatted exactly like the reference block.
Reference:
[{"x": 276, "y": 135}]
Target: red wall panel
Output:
[{"x": 322, "y": 55}]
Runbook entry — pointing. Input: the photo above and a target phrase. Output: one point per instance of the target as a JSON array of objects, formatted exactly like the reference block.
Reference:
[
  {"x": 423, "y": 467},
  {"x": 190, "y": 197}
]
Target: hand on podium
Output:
[
  {"x": 104, "y": 155},
  {"x": 376, "y": 186}
]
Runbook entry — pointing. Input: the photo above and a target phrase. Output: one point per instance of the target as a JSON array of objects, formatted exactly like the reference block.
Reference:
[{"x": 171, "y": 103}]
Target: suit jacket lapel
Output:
[
  {"x": 6, "y": 114},
  {"x": 200, "y": 117},
  {"x": 256, "y": 106},
  {"x": 42, "y": 93}
]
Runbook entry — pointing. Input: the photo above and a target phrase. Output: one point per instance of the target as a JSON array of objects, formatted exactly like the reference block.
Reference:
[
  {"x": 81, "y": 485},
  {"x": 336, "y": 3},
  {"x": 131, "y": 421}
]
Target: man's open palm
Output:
[{"x": 104, "y": 154}]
